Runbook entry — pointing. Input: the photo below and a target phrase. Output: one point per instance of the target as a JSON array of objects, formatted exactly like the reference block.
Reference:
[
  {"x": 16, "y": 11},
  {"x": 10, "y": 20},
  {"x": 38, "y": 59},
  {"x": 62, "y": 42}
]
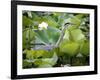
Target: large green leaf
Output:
[
  {"x": 85, "y": 48},
  {"x": 77, "y": 35},
  {"x": 43, "y": 36},
  {"x": 53, "y": 34},
  {"x": 70, "y": 48},
  {"x": 49, "y": 36}
]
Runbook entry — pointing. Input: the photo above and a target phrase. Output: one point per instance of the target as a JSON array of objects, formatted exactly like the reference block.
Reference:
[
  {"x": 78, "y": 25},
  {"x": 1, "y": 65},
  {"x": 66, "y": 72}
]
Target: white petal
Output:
[{"x": 43, "y": 25}]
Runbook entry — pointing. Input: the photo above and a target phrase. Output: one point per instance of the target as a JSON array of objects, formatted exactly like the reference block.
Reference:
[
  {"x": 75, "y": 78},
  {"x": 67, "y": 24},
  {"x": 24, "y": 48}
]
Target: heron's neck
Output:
[{"x": 61, "y": 36}]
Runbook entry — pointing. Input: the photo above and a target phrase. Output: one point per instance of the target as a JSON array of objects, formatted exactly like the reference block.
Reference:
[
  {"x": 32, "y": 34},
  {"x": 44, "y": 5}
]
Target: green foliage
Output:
[
  {"x": 26, "y": 64},
  {"x": 47, "y": 62},
  {"x": 50, "y": 21},
  {"x": 34, "y": 54},
  {"x": 40, "y": 58},
  {"x": 84, "y": 49},
  {"x": 27, "y": 22},
  {"x": 69, "y": 48},
  {"x": 46, "y": 44},
  {"x": 77, "y": 35},
  {"x": 50, "y": 35},
  {"x": 28, "y": 37}
]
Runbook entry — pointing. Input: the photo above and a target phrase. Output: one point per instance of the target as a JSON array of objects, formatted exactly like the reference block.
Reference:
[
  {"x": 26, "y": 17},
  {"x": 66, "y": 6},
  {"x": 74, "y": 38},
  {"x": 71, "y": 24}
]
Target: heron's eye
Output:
[{"x": 69, "y": 24}]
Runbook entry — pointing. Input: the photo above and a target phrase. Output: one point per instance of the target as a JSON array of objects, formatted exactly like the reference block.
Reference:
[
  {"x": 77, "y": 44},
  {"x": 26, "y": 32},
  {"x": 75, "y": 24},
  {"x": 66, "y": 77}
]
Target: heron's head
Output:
[{"x": 68, "y": 23}]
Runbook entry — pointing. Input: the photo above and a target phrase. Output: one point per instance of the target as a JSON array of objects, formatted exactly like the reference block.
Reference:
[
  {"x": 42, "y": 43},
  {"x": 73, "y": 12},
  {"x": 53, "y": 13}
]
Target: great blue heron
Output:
[{"x": 49, "y": 46}]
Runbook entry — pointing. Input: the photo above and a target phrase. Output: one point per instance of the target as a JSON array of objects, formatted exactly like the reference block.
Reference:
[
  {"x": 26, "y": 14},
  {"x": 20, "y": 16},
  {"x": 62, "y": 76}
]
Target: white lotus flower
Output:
[{"x": 43, "y": 25}]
